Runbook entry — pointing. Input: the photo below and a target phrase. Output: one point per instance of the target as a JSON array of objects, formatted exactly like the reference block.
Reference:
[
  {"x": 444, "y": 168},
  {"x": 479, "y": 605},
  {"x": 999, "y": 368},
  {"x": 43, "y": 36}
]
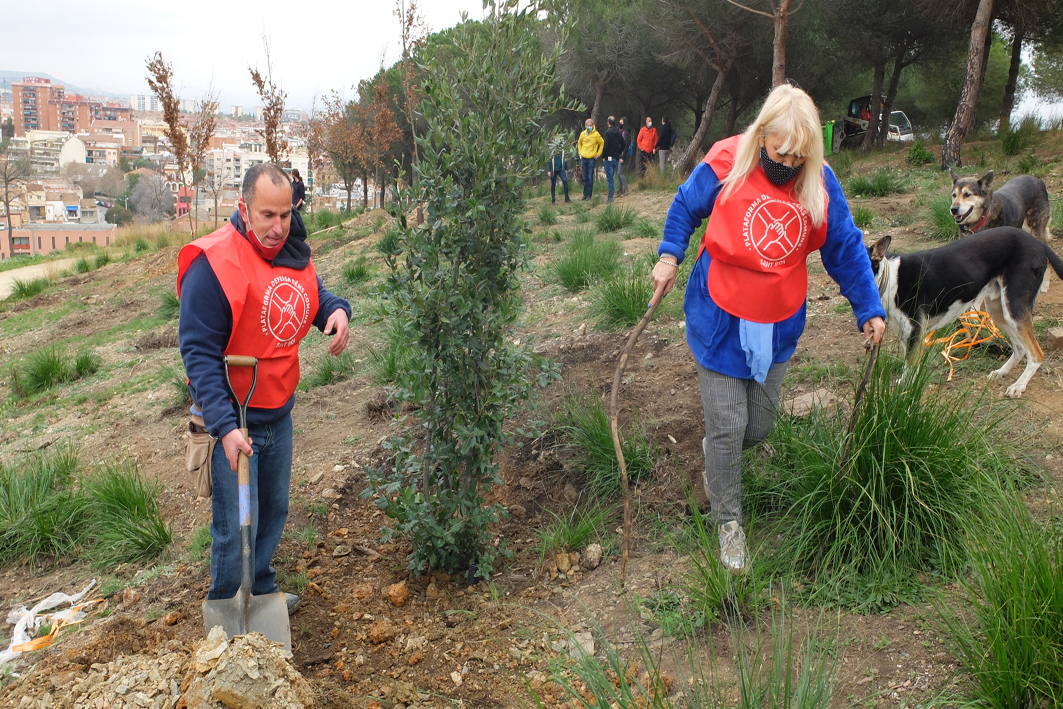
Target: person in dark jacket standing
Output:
[
  {"x": 556, "y": 169},
  {"x": 298, "y": 190},
  {"x": 665, "y": 138},
  {"x": 624, "y": 154},
  {"x": 250, "y": 289},
  {"x": 612, "y": 152}
]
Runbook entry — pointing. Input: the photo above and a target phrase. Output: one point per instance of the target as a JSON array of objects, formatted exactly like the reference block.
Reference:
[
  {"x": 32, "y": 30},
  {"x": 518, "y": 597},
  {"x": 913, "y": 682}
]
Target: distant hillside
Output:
[{"x": 6, "y": 77}]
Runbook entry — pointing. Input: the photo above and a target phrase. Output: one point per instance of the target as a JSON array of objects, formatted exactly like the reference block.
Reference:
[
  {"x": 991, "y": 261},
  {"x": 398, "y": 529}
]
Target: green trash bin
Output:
[{"x": 828, "y": 139}]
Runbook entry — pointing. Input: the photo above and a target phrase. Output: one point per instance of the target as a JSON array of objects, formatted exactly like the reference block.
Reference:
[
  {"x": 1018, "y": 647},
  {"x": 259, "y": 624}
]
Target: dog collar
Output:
[{"x": 979, "y": 225}]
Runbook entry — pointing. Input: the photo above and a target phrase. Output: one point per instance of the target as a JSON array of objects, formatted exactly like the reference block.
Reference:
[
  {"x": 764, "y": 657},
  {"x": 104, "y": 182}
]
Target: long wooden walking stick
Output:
[{"x": 615, "y": 431}]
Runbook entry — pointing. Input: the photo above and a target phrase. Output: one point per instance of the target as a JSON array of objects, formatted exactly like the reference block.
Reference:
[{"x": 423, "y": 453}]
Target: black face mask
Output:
[{"x": 778, "y": 173}]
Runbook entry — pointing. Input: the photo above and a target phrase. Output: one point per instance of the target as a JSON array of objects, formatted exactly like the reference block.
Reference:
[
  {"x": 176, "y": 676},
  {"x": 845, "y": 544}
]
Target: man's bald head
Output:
[{"x": 276, "y": 176}]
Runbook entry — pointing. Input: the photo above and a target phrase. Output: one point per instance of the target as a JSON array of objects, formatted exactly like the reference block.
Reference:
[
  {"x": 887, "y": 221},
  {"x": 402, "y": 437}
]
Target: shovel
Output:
[{"x": 245, "y": 613}]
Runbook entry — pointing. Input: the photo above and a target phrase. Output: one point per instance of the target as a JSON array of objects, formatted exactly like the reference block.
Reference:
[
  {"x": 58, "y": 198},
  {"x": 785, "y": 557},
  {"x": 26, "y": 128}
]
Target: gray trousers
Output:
[{"x": 739, "y": 414}]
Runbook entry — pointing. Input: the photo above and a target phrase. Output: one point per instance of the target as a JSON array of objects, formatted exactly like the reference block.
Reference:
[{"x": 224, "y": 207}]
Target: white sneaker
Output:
[{"x": 733, "y": 548}]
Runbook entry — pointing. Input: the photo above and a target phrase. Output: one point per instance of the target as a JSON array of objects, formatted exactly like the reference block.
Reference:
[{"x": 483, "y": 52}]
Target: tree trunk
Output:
[
  {"x": 891, "y": 95},
  {"x": 876, "y": 104},
  {"x": 732, "y": 117},
  {"x": 1013, "y": 76},
  {"x": 599, "y": 95},
  {"x": 699, "y": 102},
  {"x": 976, "y": 55},
  {"x": 689, "y": 160},
  {"x": 778, "y": 59},
  {"x": 365, "y": 194}
]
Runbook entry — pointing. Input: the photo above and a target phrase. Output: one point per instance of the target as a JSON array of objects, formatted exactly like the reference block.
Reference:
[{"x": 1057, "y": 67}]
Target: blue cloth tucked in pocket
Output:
[{"x": 757, "y": 344}]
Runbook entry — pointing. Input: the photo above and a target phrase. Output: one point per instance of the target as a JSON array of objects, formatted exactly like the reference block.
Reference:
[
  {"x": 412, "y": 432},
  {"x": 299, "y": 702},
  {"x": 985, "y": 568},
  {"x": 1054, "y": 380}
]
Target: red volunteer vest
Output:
[
  {"x": 273, "y": 309},
  {"x": 758, "y": 240}
]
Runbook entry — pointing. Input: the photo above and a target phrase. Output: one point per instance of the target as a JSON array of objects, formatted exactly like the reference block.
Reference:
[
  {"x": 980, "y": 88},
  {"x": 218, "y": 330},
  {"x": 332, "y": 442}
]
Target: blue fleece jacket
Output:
[
  {"x": 207, "y": 323},
  {"x": 713, "y": 333}
]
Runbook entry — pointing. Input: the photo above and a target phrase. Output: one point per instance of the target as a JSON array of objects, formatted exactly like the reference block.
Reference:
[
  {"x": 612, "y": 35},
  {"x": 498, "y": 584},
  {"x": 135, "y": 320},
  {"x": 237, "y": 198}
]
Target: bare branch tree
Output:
[
  {"x": 780, "y": 16},
  {"x": 272, "y": 98},
  {"x": 316, "y": 150},
  {"x": 200, "y": 133},
  {"x": 11, "y": 171},
  {"x": 412, "y": 32},
  {"x": 161, "y": 82}
]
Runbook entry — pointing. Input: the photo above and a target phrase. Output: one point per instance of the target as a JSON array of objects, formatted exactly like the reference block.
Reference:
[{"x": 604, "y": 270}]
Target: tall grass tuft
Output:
[
  {"x": 24, "y": 290},
  {"x": 329, "y": 370},
  {"x": 941, "y": 225},
  {"x": 920, "y": 468},
  {"x": 141, "y": 245},
  {"x": 547, "y": 216},
  {"x": 586, "y": 261},
  {"x": 39, "y": 515},
  {"x": 82, "y": 265},
  {"x": 842, "y": 163},
  {"x": 177, "y": 383},
  {"x": 621, "y": 300},
  {"x": 1014, "y": 649},
  {"x": 387, "y": 362},
  {"x": 881, "y": 183},
  {"x": 614, "y": 218},
  {"x": 572, "y": 531},
  {"x": 45, "y": 369},
  {"x": 102, "y": 259},
  {"x": 1015, "y": 141},
  {"x": 126, "y": 521},
  {"x": 356, "y": 271},
  {"x": 169, "y": 305},
  {"x": 388, "y": 244},
  {"x": 583, "y": 422},
  {"x": 863, "y": 216},
  {"x": 86, "y": 364}
]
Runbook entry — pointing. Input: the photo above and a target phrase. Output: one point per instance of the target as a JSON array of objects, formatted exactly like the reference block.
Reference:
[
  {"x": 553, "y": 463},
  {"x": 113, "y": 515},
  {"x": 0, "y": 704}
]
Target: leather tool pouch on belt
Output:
[{"x": 199, "y": 448}]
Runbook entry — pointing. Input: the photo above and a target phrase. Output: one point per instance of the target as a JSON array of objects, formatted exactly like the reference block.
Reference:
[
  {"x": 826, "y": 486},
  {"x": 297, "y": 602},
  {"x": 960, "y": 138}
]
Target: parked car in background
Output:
[{"x": 849, "y": 130}]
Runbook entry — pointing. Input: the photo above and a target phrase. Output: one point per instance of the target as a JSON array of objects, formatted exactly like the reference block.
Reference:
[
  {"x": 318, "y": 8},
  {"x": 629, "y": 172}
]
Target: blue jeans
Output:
[
  {"x": 610, "y": 168},
  {"x": 271, "y": 473},
  {"x": 554, "y": 177},
  {"x": 587, "y": 165}
]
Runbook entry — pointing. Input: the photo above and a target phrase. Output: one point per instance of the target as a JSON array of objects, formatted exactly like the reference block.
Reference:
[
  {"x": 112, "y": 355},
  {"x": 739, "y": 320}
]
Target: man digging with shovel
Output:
[{"x": 249, "y": 294}]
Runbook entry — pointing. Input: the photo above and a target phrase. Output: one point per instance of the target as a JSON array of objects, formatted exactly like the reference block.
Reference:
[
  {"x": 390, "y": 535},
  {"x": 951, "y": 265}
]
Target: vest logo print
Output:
[
  {"x": 285, "y": 309},
  {"x": 774, "y": 229}
]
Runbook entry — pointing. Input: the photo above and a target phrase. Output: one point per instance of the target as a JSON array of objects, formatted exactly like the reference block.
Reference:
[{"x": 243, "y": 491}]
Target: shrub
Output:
[
  {"x": 455, "y": 293},
  {"x": 24, "y": 290},
  {"x": 169, "y": 305},
  {"x": 547, "y": 216},
  {"x": 118, "y": 215},
  {"x": 329, "y": 370},
  {"x": 586, "y": 261},
  {"x": 941, "y": 225},
  {"x": 127, "y": 525},
  {"x": 621, "y": 300},
  {"x": 919, "y": 156},
  {"x": 1014, "y": 650},
  {"x": 82, "y": 265},
  {"x": 920, "y": 469},
  {"x": 356, "y": 271},
  {"x": 881, "y": 183},
  {"x": 614, "y": 218},
  {"x": 141, "y": 245},
  {"x": 583, "y": 423},
  {"x": 863, "y": 216},
  {"x": 102, "y": 259}
]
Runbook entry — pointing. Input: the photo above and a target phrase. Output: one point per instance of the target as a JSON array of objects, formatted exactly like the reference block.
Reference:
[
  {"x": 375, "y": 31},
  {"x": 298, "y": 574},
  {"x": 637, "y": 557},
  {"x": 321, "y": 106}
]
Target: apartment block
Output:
[
  {"x": 33, "y": 104},
  {"x": 144, "y": 102},
  {"x": 48, "y": 151}
]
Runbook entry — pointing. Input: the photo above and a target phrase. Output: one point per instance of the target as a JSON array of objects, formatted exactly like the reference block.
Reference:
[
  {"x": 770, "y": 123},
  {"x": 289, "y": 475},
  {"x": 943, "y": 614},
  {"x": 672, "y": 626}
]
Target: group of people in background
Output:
[{"x": 614, "y": 149}]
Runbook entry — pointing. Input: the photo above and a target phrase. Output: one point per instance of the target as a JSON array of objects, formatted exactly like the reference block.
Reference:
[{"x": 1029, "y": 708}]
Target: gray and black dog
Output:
[
  {"x": 1022, "y": 203},
  {"x": 1000, "y": 270}
]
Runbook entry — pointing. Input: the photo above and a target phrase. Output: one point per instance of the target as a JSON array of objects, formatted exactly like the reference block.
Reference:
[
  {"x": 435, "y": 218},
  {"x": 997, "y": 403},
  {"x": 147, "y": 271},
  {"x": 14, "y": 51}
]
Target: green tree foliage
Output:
[
  {"x": 454, "y": 286},
  {"x": 118, "y": 215}
]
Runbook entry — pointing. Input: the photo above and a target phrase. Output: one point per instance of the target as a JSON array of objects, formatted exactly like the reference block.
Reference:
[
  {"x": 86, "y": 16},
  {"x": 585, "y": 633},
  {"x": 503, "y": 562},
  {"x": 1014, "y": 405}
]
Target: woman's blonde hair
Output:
[{"x": 790, "y": 113}]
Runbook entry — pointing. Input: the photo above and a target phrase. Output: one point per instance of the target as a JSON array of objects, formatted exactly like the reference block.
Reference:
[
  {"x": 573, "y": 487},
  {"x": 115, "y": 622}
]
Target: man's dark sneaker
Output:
[{"x": 293, "y": 602}]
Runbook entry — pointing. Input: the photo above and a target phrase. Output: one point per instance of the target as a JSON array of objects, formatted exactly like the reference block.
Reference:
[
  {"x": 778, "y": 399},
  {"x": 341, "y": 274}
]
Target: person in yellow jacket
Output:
[{"x": 590, "y": 146}]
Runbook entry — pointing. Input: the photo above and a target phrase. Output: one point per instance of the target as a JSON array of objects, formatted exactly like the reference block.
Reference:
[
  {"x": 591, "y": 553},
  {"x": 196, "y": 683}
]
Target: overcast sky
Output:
[{"x": 316, "y": 45}]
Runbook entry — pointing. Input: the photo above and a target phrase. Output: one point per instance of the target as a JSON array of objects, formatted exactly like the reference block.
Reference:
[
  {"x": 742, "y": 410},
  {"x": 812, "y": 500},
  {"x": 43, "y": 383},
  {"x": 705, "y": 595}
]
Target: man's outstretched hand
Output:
[{"x": 338, "y": 323}]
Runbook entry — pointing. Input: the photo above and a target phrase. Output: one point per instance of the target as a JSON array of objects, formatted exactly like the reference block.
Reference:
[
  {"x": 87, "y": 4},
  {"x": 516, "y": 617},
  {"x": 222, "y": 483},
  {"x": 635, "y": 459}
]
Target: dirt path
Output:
[{"x": 8, "y": 278}]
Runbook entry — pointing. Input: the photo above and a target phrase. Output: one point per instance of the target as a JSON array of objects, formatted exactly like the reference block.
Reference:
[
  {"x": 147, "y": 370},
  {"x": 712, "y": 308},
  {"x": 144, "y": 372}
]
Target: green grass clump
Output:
[
  {"x": 586, "y": 261},
  {"x": 572, "y": 531},
  {"x": 614, "y": 218},
  {"x": 40, "y": 515},
  {"x": 162, "y": 241},
  {"x": 86, "y": 364},
  {"x": 584, "y": 424},
  {"x": 941, "y": 225},
  {"x": 49, "y": 367},
  {"x": 1015, "y": 141},
  {"x": 621, "y": 300},
  {"x": 881, "y": 183},
  {"x": 169, "y": 305},
  {"x": 388, "y": 361},
  {"x": 323, "y": 219},
  {"x": 329, "y": 370},
  {"x": 24, "y": 290},
  {"x": 141, "y": 245},
  {"x": 388, "y": 245},
  {"x": 919, "y": 155},
  {"x": 177, "y": 383},
  {"x": 547, "y": 216},
  {"x": 645, "y": 229},
  {"x": 920, "y": 469},
  {"x": 841, "y": 163},
  {"x": 82, "y": 266},
  {"x": 127, "y": 525},
  {"x": 102, "y": 259},
  {"x": 199, "y": 547},
  {"x": 863, "y": 216},
  {"x": 1027, "y": 163},
  {"x": 356, "y": 271},
  {"x": 1014, "y": 648},
  {"x": 1057, "y": 217}
]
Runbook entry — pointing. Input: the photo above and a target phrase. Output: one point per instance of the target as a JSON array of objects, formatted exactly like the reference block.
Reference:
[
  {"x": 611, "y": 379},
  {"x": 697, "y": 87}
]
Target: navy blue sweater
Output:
[
  {"x": 712, "y": 333},
  {"x": 207, "y": 323}
]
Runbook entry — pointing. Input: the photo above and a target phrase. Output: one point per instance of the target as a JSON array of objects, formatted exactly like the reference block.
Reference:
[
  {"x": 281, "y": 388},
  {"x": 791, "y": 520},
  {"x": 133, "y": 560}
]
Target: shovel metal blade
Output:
[{"x": 266, "y": 614}]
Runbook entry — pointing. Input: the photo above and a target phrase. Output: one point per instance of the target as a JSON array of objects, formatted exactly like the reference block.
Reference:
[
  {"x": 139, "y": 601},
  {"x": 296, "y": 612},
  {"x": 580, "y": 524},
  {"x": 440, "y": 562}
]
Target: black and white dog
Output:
[
  {"x": 1022, "y": 201},
  {"x": 1000, "y": 270}
]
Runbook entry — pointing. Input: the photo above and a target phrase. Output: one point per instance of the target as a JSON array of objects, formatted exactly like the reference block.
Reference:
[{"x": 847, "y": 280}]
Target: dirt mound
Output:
[
  {"x": 250, "y": 672},
  {"x": 143, "y": 681}
]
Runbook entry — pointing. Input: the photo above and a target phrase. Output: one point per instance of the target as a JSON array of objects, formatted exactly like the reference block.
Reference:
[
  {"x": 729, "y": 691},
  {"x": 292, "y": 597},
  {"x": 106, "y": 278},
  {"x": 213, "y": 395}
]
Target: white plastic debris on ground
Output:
[{"x": 28, "y": 622}]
